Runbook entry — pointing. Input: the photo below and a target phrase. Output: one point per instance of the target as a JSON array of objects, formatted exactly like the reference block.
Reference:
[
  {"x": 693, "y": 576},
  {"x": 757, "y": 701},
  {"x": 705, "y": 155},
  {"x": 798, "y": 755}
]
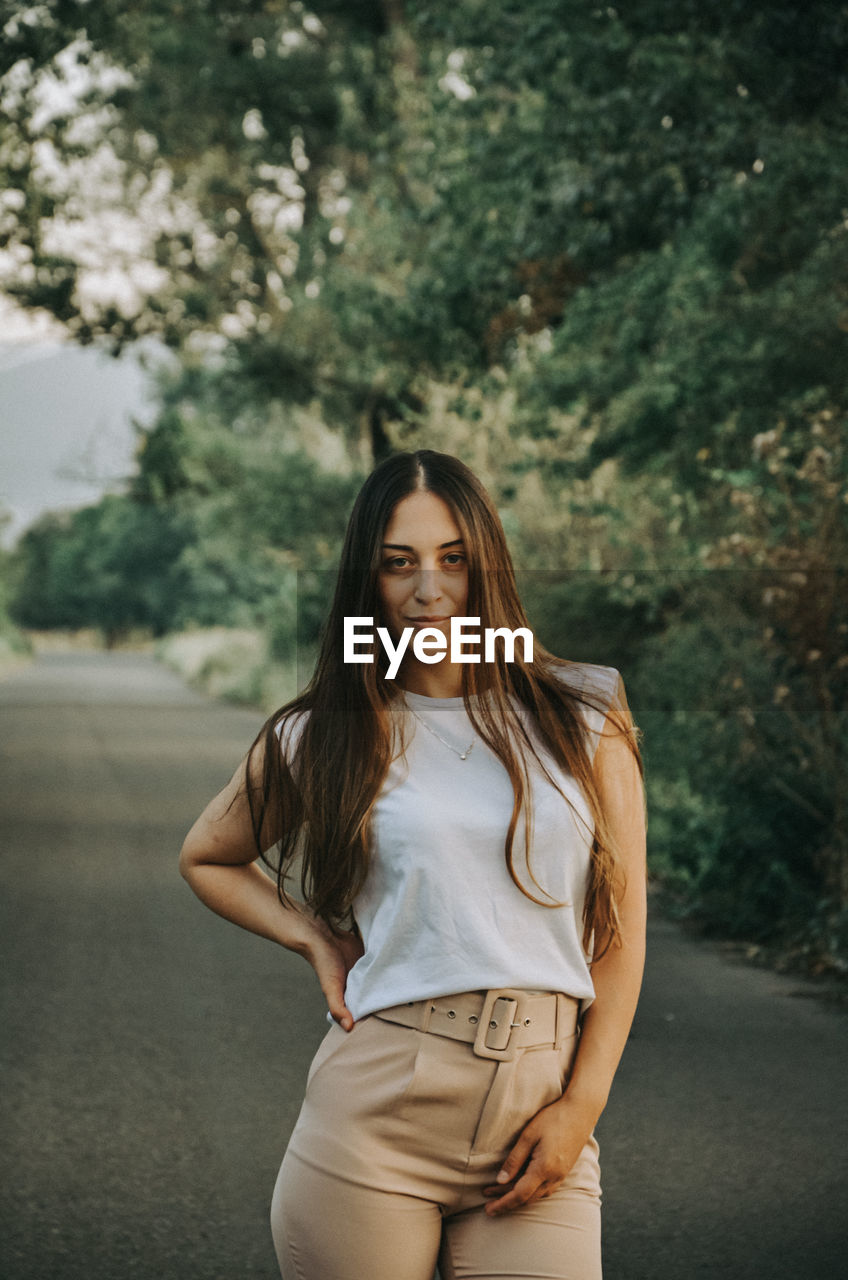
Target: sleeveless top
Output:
[{"x": 439, "y": 913}]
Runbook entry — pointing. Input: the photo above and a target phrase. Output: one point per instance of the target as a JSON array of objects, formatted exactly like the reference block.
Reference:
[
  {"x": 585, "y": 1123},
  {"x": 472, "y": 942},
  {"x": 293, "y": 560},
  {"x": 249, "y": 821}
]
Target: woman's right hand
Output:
[{"x": 332, "y": 956}]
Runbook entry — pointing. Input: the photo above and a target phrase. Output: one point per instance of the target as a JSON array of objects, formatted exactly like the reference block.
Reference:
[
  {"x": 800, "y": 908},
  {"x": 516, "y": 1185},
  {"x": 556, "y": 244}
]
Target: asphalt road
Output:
[{"x": 153, "y": 1056}]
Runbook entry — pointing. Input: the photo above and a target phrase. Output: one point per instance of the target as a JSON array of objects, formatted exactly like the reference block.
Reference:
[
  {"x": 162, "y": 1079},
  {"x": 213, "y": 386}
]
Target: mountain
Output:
[{"x": 67, "y": 433}]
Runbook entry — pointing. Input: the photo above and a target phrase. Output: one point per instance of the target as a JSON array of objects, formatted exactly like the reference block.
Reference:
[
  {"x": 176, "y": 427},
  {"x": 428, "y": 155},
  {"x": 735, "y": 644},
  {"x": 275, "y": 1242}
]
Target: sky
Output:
[{"x": 66, "y": 422}]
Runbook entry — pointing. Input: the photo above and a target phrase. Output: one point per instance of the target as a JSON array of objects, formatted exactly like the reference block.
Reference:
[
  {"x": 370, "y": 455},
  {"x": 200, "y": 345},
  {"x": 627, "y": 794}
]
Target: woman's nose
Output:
[{"x": 427, "y": 585}]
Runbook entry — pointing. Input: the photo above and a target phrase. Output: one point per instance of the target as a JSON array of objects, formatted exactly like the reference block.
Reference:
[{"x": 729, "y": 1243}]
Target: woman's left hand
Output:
[{"x": 543, "y": 1156}]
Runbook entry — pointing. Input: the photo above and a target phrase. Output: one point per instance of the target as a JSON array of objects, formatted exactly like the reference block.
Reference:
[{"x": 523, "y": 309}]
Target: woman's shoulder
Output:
[
  {"x": 590, "y": 680},
  {"x": 599, "y": 693},
  {"x": 289, "y": 729}
]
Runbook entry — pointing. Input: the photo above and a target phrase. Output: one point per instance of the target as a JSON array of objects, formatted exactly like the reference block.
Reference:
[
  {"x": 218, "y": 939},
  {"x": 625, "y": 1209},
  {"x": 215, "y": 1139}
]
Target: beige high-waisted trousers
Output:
[{"x": 399, "y": 1133}]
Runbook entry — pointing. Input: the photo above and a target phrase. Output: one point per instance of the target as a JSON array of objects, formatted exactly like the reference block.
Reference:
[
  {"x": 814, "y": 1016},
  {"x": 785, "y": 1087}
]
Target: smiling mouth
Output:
[{"x": 440, "y": 618}]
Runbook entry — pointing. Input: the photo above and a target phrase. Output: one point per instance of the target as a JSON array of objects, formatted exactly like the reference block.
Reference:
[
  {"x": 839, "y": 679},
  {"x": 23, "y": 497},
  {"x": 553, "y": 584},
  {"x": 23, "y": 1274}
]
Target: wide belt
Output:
[{"x": 497, "y": 1023}]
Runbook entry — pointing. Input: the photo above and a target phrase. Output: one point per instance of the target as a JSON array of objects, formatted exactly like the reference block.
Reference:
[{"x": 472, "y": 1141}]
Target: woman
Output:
[{"x": 471, "y": 840}]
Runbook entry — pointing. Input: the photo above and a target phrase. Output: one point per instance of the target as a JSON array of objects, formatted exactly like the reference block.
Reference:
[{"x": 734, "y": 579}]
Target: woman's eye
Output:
[
  {"x": 397, "y": 563},
  {"x": 454, "y": 559}
]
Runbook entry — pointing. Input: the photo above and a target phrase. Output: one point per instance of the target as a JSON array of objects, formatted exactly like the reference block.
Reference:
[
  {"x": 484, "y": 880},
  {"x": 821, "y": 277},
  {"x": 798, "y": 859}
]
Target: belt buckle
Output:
[{"x": 496, "y": 1017}]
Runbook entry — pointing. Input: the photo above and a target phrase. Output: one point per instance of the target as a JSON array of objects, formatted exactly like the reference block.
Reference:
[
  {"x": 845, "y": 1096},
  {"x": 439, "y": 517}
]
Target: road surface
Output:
[{"x": 154, "y": 1056}]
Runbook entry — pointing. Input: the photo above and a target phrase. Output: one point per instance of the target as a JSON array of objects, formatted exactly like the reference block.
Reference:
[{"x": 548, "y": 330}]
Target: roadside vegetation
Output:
[{"x": 598, "y": 252}]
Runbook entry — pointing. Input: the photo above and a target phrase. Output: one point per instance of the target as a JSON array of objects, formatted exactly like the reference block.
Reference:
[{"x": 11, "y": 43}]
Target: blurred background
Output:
[{"x": 248, "y": 249}]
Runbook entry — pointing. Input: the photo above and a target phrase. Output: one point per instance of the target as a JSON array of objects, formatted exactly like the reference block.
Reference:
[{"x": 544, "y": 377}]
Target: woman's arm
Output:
[
  {"x": 550, "y": 1144},
  {"x": 218, "y": 859}
]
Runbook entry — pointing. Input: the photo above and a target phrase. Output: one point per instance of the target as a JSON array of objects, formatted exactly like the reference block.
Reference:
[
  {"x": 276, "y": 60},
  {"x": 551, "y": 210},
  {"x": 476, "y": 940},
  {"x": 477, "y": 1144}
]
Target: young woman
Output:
[{"x": 471, "y": 843}]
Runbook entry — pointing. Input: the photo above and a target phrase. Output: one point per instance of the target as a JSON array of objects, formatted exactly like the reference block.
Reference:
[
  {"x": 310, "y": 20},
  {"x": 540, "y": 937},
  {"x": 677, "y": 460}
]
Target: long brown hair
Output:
[{"x": 316, "y": 796}]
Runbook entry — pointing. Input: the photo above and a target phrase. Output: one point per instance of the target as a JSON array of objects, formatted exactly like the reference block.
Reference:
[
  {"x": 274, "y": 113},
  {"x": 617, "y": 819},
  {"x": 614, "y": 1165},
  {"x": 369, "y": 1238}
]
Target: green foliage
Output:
[
  {"x": 715, "y": 745},
  {"x": 600, "y": 252},
  {"x": 14, "y": 645},
  {"x": 229, "y": 663},
  {"x": 113, "y": 566},
  {"x": 363, "y": 202},
  {"x": 745, "y": 729},
  {"x": 596, "y": 617},
  {"x": 261, "y": 507},
  {"x": 225, "y": 508}
]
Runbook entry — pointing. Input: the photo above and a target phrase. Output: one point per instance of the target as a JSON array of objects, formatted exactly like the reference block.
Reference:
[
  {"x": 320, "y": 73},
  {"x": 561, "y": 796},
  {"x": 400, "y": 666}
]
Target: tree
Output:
[
  {"x": 363, "y": 199},
  {"x": 599, "y": 252},
  {"x": 112, "y": 566}
]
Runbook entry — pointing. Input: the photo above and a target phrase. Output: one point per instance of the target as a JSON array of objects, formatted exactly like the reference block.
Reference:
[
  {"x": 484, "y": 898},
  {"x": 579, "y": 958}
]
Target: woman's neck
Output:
[{"x": 442, "y": 680}]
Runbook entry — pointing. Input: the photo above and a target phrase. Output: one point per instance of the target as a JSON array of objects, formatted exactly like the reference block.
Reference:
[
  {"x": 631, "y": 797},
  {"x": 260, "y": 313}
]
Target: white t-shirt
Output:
[{"x": 439, "y": 913}]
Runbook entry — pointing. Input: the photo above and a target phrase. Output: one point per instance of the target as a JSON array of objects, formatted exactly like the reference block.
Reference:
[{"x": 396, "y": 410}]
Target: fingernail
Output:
[{"x": 503, "y": 1176}]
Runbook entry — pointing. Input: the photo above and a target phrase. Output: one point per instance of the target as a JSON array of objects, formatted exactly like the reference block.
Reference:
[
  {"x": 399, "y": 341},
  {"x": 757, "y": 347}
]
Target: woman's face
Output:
[{"x": 423, "y": 580}]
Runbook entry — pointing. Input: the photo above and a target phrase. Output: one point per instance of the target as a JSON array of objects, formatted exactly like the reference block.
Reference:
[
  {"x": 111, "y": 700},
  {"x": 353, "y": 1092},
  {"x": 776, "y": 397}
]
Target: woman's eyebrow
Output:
[{"x": 400, "y": 546}]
